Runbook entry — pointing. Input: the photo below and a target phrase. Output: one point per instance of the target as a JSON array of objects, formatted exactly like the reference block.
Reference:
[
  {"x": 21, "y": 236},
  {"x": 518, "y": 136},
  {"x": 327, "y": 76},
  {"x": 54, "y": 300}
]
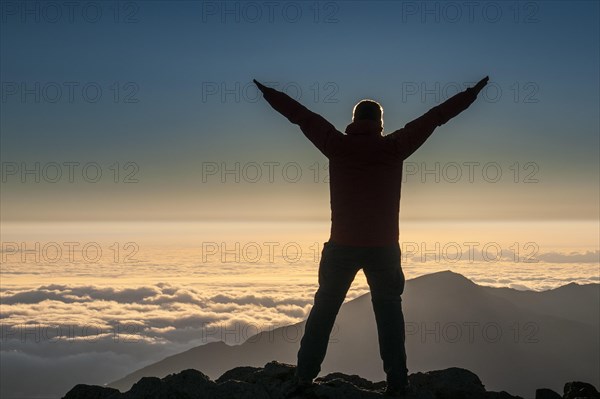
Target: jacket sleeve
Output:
[
  {"x": 316, "y": 128},
  {"x": 408, "y": 139}
]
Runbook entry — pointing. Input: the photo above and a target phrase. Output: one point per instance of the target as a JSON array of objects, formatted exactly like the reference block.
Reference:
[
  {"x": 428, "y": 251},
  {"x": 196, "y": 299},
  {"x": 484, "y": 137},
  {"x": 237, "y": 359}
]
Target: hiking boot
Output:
[
  {"x": 399, "y": 391},
  {"x": 302, "y": 387}
]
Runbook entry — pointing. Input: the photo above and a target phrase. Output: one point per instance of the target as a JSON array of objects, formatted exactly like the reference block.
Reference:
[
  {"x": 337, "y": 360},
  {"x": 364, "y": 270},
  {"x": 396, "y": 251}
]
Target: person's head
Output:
[{"x": 368, "y": 110}]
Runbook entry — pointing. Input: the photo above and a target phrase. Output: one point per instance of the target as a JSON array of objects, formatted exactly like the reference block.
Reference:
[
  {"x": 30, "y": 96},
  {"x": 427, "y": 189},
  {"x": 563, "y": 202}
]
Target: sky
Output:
[{"x": 146, "y": 110}]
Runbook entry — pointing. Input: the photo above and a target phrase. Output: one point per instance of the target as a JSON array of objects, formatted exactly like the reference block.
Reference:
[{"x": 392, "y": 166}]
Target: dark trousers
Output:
[{"x": 338, "y": 267}]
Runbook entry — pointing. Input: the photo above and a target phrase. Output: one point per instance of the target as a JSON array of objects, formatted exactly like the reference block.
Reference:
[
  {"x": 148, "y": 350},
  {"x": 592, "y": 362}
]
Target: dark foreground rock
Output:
[{"x": 275, "y": 381}]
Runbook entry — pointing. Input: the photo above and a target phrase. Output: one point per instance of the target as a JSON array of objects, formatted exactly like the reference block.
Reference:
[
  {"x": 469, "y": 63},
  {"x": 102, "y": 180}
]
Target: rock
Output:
[
  {"x": 276, "y": 381},
  {"x": 82, "y": 391},
  {"x": 580, "y": 390},
  {"x": 277, "y": 378},
  {"x": 233, "y": 389},
  {"x": 146, "y": 387},
  {"x": 340, "y": 388},
  {"x": 355, "y": 380},
  {"x": 545, "y": 393},
  {"x": 237, "y": 374},
  {"x": 187, "y": 384},
  {"x": 500, "y": 395},
  {"x": 449, "y": 384}
]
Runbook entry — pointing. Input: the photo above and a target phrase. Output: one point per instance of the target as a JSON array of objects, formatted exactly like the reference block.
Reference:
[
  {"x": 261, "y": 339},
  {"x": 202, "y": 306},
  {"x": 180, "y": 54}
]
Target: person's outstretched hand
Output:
[
  {"x": 260, "y": 86},
  {"x": 480, "y": 85}
]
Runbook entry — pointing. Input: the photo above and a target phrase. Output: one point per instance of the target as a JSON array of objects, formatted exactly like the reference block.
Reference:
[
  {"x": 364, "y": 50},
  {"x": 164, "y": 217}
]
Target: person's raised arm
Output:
[
  {"x": 408, "y": 139},
  {"x": 316, "y": 128}
]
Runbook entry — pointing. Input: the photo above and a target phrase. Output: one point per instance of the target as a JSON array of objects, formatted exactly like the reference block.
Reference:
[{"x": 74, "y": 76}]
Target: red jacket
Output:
[{"x": 365, "y": 168}]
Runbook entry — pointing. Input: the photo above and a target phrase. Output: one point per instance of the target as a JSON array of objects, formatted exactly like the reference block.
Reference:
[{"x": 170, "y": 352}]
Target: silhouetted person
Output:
[{"x": 365, "y": 177}]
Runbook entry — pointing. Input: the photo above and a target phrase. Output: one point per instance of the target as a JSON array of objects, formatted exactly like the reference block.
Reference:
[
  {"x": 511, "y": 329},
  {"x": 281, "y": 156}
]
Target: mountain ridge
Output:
[{"x": 437, "y": 306}]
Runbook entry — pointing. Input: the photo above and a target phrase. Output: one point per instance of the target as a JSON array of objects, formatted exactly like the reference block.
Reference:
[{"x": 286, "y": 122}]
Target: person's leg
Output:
[
  {"x": 386, "y": 280},
  {"x": 336, "y": 273}
]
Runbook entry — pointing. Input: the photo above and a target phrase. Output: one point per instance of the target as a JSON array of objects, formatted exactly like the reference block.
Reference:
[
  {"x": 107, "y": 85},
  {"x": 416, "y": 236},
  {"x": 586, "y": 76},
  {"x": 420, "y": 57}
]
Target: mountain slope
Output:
[{"x": 512, "y": 341}]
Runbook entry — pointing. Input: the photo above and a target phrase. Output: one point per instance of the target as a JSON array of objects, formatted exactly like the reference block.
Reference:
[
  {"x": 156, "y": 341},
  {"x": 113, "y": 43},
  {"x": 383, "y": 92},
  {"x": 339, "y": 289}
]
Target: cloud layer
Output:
[{"x": 64, "y": 332}]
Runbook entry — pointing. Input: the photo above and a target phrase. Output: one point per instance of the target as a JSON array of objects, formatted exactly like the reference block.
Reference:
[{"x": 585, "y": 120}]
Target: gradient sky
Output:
[
  {"x": 178, "y": 107},
  {"x": 173, "y": 59}
]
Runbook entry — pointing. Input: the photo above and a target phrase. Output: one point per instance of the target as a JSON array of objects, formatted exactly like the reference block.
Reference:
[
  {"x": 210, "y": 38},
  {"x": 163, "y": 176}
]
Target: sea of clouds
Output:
[{"x": 72, "y": 321}]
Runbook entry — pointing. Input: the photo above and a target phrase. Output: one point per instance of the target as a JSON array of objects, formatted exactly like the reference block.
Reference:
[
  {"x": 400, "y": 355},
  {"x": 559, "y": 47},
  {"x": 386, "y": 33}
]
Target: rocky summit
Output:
[{"x": 275, "y": 381}]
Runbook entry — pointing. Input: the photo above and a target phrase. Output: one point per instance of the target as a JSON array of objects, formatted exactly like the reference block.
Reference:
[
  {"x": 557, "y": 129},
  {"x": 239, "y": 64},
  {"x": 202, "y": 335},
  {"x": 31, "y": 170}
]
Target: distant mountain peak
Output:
[{"x": 447, "y": 277}]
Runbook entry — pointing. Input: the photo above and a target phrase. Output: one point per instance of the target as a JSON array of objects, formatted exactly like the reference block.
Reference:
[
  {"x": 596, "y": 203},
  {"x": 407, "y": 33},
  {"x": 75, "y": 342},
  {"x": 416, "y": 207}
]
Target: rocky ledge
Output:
[{"x": 275, "y": 381}]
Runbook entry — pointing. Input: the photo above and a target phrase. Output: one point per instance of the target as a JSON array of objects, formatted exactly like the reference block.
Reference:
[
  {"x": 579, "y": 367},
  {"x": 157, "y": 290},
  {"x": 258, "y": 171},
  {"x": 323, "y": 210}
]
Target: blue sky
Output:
[{"x": 171, "y": 62}]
